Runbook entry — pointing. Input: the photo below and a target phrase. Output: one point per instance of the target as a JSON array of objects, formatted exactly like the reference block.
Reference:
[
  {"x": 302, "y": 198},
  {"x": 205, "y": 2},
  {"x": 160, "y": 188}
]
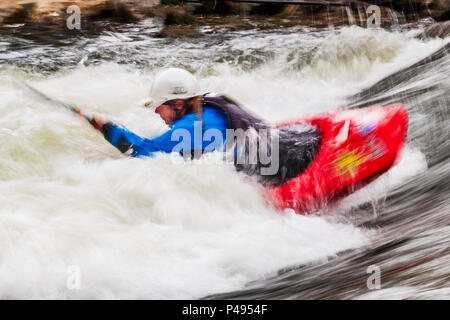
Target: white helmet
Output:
[{"x": 173, "y": 83}]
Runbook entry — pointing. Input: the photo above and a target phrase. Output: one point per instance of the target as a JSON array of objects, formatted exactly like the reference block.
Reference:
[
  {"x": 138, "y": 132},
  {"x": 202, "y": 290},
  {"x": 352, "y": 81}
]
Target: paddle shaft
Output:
[{"x": 73, "y": 108}]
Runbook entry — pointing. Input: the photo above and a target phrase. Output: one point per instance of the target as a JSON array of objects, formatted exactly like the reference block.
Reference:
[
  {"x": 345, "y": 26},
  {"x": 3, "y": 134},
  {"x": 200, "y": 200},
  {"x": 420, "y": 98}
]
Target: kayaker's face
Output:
[
  {"x": 166, "y": 113},
  {"x": 170, "y": 110}
]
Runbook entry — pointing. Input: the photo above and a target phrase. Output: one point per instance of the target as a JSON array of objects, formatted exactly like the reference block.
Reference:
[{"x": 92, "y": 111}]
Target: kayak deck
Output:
[{"x": 356, "y": 146}]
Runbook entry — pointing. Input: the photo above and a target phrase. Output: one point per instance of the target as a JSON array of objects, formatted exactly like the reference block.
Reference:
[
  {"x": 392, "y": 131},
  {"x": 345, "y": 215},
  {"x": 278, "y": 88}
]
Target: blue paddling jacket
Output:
[
  {"x": 186, "y": 134},
  {"x": 219, "y": 113}
]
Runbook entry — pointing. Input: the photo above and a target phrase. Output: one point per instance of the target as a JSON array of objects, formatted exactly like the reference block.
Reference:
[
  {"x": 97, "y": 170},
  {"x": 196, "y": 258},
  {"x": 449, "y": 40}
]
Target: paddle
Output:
[{"x": 92, "y": 119}]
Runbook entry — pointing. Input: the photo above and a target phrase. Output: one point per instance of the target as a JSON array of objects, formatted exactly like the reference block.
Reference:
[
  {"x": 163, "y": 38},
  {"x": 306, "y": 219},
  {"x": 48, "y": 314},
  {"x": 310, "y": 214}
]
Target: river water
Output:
[{"x": 73, "y": 207}]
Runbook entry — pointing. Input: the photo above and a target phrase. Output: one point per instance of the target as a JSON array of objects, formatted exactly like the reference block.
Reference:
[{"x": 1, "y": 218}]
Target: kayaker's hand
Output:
[{"x": 98, "y": 122}]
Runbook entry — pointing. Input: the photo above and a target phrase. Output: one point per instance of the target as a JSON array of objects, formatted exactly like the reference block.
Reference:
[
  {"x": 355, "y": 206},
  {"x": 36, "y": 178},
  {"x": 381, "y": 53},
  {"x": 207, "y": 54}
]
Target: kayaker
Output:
[
  {"x": 177, "y": 98},
  {"x": 207, "y": 122}
]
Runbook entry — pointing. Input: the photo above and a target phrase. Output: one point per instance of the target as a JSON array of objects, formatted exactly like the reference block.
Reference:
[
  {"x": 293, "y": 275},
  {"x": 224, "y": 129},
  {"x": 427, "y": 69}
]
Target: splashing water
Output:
[{"x": 146, "y": 228}]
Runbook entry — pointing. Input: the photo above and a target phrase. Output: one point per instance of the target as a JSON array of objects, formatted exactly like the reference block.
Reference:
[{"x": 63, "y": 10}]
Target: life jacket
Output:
[
  {"x": 296, "y": 146},
  {"x": 238, "y": 117}
]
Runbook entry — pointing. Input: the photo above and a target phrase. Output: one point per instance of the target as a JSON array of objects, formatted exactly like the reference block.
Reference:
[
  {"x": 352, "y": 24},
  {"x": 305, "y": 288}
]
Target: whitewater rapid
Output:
[{"x": 149, "y": 228}]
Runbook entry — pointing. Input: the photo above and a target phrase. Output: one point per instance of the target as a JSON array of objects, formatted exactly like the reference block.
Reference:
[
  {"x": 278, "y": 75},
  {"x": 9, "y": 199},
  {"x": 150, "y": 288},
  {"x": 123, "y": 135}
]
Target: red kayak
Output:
[{"x": 357, "y": 146}]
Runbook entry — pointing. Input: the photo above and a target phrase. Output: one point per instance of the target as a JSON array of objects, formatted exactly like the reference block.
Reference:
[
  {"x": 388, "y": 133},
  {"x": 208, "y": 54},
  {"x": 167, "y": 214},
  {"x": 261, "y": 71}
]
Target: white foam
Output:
[{"x": 146, "y": 228}]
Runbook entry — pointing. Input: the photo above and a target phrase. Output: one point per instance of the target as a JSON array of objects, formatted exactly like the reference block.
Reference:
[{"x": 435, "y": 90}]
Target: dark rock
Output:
[
  {"x": 355, "y": 14},
  {"x": 268, "y": 9},
  {"x": 417, "y": 9},
  {"x": 114, "y": 10},
  {"x": 437, "y": 30},
  {"x": 175, "y": 17},
  {"x": 22, "y": 14},
  {"x": 209, "y": 7}
]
